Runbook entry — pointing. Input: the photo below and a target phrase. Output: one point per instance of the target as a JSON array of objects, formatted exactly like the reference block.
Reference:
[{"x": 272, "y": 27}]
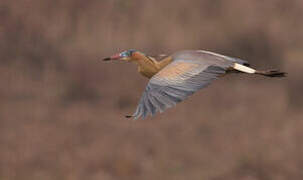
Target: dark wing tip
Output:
[{"x": 129, "y": 116}]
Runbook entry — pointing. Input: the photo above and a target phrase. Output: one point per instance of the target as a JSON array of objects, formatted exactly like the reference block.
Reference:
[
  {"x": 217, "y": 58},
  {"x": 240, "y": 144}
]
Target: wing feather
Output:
[{"x": 189, "y": 72}]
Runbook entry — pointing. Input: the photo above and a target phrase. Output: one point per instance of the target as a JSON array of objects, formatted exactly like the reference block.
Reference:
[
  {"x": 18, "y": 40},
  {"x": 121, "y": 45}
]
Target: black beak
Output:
[{"x": 107, "y": 59}]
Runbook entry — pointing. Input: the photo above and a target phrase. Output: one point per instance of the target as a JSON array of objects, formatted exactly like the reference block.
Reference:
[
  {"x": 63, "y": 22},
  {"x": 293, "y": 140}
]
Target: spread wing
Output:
[{"x": 180, "y": 79}]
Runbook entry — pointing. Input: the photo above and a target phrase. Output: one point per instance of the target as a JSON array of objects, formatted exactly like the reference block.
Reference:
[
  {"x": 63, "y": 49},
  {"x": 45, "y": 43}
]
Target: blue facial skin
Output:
[
  {"x": 124, "y": 54},
  {"x": 127, "y": 53}
]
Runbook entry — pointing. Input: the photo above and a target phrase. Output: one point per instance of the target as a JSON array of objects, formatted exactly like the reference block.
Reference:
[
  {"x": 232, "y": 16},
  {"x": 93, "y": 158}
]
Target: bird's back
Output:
[{"x": 207, "y": 58}]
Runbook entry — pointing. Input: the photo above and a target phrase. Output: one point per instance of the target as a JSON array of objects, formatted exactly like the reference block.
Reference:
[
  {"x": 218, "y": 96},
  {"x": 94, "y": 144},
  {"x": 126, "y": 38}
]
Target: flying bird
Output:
[{"x": 175, "y": 77}]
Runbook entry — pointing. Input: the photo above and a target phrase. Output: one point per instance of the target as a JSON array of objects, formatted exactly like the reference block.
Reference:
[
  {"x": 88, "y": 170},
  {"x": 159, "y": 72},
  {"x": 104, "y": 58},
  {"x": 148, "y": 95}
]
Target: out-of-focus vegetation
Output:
[{"x": 62, "y": 108}]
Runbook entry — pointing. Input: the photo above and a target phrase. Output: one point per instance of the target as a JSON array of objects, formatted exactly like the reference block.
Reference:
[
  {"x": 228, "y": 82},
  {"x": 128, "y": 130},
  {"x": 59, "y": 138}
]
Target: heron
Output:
[{"x": 175, "y": 77}]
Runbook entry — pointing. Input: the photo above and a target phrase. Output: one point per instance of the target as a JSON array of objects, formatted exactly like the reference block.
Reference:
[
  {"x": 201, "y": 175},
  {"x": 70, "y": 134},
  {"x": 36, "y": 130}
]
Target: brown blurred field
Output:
[{"x": 62, "y": 108}]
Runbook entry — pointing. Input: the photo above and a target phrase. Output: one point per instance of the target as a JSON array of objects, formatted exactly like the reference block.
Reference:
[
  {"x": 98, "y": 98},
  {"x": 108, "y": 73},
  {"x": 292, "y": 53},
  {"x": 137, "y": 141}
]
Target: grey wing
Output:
[
  {"x": 190, "y": 71},
  {"x": 173, "y": 84},
  {"x": 208, "y": 57}
]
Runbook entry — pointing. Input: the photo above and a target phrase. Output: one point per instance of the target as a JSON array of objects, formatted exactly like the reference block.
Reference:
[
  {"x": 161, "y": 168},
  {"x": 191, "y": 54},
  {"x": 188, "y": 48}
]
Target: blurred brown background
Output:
[{"x": 62, "y": 108}]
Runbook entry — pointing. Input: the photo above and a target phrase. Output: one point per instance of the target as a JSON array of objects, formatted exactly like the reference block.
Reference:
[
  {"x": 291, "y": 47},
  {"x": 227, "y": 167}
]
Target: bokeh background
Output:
[{"x": 62, "y": 108}]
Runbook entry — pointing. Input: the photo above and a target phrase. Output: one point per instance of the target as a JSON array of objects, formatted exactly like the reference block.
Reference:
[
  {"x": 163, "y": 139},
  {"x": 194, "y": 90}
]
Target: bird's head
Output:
[{"x": 124, "y": 56}]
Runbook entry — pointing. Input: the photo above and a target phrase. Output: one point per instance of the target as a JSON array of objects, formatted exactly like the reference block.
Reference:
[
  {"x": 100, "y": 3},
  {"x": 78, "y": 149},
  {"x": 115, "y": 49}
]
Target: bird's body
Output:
[{"x": 175, "y": 77}]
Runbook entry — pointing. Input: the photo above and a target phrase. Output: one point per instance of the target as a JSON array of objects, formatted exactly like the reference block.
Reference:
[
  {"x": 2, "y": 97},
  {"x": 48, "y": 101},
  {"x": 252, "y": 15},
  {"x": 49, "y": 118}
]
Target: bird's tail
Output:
[
  {"x": 272, "y": 73},
  {"x": 268, "y": 73}
]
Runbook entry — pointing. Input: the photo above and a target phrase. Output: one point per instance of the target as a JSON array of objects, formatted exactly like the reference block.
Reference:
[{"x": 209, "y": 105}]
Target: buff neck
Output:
[{"x": 147, "y": 66}]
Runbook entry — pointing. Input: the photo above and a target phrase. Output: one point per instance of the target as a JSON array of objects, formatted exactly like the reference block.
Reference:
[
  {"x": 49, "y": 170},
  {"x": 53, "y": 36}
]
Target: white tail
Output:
[{"x": 243, "y": 68}]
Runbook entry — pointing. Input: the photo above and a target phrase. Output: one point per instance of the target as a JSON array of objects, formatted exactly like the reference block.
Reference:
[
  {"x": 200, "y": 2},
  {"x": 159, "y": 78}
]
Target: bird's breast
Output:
[{"x": 147, "y": 71}]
